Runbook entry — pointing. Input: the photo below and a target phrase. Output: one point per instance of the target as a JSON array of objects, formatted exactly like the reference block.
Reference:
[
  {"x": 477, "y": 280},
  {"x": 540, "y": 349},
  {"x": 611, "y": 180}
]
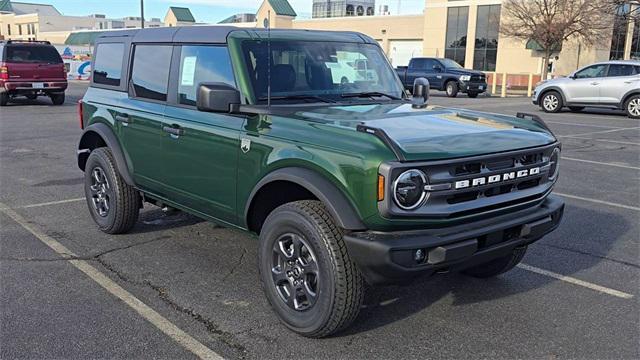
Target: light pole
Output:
[{"x": 142, "y": 14}]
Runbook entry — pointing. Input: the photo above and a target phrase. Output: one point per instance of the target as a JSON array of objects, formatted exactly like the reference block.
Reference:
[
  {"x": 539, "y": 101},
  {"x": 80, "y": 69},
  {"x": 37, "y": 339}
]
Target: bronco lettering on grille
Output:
[{"x": 462, "y": 184}]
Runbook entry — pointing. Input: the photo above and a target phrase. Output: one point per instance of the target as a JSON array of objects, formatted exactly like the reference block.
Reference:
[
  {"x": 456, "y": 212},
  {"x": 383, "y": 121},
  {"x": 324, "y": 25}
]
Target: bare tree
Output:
[{"x": 551, "y": 22}]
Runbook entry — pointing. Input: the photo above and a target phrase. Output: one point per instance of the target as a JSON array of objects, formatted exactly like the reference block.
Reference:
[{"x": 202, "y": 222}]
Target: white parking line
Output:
[
  {"x": 601, "y": 163},
  {"x": 598, "y": 201},
  {"x": 601, "y": 132},
  {"x": 571, "y": 280},
  {"x": 585, "y": 125},
  {"x": 50, "y": 203},
  {"x": 603, "y": 140},
  {"x": 160, "y": 322}
]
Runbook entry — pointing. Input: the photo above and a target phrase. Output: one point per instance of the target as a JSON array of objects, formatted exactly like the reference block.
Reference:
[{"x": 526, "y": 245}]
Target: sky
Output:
[{"x": 208, "y": 11}]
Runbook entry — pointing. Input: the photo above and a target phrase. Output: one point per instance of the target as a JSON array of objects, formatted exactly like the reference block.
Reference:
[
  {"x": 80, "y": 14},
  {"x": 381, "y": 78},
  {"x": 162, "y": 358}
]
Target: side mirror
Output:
[
  {"x": 420, "y": 93},
  {"x": 217, "y": 97}
]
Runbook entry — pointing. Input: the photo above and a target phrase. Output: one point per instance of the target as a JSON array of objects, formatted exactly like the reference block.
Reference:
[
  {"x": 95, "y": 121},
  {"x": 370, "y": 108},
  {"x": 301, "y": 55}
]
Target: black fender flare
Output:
[
  {"x": 336, "y": 202},
  {"x": 110, "y": 139},
  {"x": 553, "y": 88},
  {"x": 627, "y": 96}
]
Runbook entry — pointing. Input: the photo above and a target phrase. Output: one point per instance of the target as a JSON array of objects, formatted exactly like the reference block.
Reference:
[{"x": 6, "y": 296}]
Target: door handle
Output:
[
  {"x": 124, "y": 118},
  {"x": 174, "y": 131}
]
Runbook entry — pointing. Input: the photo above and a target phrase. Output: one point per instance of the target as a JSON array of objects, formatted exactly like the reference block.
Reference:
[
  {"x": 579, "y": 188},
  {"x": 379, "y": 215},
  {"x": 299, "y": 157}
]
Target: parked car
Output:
[
  {"x": 31, "y": 69},
  {"x": 611, "y": 84},
  {"x": 344, "y": 183},
  {"x": 444, "y": 75}
]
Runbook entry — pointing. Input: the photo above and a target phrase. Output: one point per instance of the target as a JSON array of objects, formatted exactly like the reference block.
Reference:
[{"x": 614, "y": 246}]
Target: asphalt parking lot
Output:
[{"x": 575, "y": 296}]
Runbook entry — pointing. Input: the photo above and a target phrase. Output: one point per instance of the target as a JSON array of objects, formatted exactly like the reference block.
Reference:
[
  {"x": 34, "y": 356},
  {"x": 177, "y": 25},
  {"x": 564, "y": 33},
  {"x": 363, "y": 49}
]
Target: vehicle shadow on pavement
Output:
[
  {"x": 389, "y": 304},
  {"x": 155, "y": 219}
]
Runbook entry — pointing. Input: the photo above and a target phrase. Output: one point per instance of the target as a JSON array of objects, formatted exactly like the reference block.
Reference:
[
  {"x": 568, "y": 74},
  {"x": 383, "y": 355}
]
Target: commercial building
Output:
[
  {"x": 342, "y": 8},
  {"x": 28, "y": 21},
  {"x": 464, "y": 30}
]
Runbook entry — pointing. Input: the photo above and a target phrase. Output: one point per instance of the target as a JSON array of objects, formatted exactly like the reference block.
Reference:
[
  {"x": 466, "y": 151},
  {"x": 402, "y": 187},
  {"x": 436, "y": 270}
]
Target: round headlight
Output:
[
  {"x": 408, "y": 189},
  {"x": 554, "y": 164}
]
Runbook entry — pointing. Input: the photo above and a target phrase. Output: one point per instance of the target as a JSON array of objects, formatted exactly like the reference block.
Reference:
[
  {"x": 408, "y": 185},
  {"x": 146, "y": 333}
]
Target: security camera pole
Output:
[{"x": 142, "y": 14}]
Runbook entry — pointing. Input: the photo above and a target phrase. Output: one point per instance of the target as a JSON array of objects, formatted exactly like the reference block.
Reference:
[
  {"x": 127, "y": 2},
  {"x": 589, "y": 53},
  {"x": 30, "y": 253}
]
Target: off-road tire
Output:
[
  {"x": 551, "y": 102},
  {"x": 341, "y": 287},
  {"x": 4, "y": 99},
  {"x": 632, "y": 107},
  {"x": 576, "y": 108},
  {"x": 124, "y": 200},
  {"x": 57, "y": 99},
  {"x": 472, "y": 95},
  {"x": 497, "y": 266},
  {"x": 451, "y": 88}
]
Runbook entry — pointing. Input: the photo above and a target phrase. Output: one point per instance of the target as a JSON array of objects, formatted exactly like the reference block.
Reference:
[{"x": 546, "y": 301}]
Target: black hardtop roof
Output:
[{"x": 219, "y": 34}]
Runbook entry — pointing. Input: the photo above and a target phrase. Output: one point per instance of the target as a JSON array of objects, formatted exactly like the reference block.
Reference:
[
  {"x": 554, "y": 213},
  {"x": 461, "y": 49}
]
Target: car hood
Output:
[
  {"x": 435, "y": 132},
  {"x": 464, "y": 71}
]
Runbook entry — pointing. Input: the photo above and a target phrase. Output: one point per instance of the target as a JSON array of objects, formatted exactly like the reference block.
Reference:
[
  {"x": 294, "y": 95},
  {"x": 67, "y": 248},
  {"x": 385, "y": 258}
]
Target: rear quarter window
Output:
[
  {"x": 32, "y": 54},
  {"x": 107, "y": 69}
]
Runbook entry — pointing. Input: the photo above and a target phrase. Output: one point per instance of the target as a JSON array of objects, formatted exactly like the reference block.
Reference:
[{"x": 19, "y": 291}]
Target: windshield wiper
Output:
[
  {"x": 370, "y": 94},
  {"x": 298, "y": 97}
]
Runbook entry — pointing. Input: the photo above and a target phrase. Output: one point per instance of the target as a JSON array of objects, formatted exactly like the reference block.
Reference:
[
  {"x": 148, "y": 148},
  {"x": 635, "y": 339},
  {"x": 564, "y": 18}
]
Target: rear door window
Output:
[
  {"x": 150, "y": 73},
  {"x": 621, "y": 70},
  {"x": 32, "y": 54},
  {"x": 202, "y": 64},
  {"x": 108, "y": 65}
]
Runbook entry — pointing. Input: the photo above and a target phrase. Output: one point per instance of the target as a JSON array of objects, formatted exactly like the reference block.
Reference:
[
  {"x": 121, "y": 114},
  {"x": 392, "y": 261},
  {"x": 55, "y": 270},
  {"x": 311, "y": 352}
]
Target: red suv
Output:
[{"x": 31, "y": 69}]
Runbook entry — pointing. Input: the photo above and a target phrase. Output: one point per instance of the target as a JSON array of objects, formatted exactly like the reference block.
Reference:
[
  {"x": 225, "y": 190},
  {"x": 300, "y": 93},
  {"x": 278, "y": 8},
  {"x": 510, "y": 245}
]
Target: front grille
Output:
[
  {"x": 478, "y": 78},
  {"x": 452, "y": 199}
]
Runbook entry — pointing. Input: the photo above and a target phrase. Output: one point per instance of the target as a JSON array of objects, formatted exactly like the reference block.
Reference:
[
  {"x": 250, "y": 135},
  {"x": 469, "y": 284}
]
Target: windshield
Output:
[
  {"x": 312, "y": 70},
  {"x": 448, "y": 63}
]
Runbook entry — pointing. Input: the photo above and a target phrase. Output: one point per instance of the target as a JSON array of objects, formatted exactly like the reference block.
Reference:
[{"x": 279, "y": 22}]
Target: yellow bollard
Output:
[
  {"x": 503, "y": 92},
  {"x": 530, "y": 87},
  {"x": 495, "y": 81}
]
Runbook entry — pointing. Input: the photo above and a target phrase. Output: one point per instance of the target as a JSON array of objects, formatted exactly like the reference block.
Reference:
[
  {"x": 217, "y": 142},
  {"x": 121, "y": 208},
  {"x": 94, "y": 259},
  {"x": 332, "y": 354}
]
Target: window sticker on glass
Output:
[{"x": 188, "y": 71}]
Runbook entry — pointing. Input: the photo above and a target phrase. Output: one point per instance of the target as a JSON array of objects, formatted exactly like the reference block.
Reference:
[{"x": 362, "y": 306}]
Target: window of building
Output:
[
  {"x": 19, "y": 29},
  {"x": 487, "y": 31},
  {"x": 8, "y": 29},
  {"x": 202, "y": 64},
  {"x": 369, "y": 11},
  {"x": 456, "y": 39},
  {"x": 635, "y": 43},
  {"x": 108, "y": 65},
  {"x": 150, "y": 73},
  {"x": 619, "y": 37},
  {"x": 360, "y": 10},
  {"x": 350, "y": 10}
]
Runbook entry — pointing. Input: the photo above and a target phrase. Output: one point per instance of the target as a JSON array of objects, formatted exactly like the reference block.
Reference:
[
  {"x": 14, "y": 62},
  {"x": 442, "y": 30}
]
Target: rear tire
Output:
[
  {"x": 4, "y": 99},
  {"x": 306, "y": 272},
  {"x": 113, "y": 204},
  {"x": 632, "y": 107},
  {"x": 497, "y": 266},
  {"x": 551, "y": 102},
  {"x": 57, "y": 99},
  {"x": 451, "y": 88}
]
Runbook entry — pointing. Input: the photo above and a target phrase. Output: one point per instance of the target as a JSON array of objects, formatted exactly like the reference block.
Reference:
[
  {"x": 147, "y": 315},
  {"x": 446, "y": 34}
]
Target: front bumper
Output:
[
  {"x": 386, "y": 258},
  {"x": 30, "y": 87},
  {"x": 477, "y": 87}
]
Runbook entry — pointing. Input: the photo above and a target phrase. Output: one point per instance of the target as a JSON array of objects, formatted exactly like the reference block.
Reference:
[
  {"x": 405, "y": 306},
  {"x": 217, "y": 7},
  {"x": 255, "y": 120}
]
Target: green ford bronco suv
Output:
[{"x": 287, "y": 135}]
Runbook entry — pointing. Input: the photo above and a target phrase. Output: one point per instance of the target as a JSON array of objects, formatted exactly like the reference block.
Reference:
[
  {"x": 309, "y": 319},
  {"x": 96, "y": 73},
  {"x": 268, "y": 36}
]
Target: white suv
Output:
[{"x": 612, "y": 84}]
